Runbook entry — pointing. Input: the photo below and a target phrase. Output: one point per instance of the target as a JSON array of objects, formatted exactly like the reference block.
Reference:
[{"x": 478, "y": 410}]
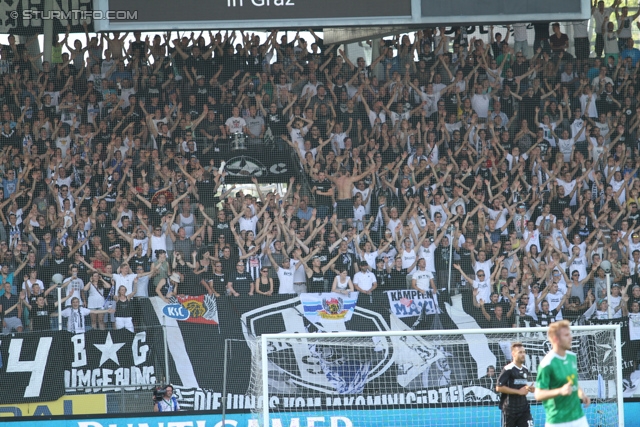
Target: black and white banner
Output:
[
  {"x": 105, "y": 361},
  {"x": 41, "y": 367},
  {"x": 33, "y": 367},
  {"x": 382, "y": 372},
  {"x": 266, "y": 166}
]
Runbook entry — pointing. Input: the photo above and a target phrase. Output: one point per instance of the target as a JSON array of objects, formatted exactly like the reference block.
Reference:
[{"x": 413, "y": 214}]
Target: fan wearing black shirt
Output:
[
  {"x": 138, "y": 47},
  {"x": 382, "y": 276},
  {"x": 41, "y": 306},
  {"x": 57, "y": 262},
  {"x": 498, "y": 319},
  {"x": 211, "y": 128},
  {"x": 222, "y": 226},
  {"x": 322, "y": 191},
  {"x": 275, "y": 118},
  {"x": 9, "y": 137},
  {"x": 513, "y": 383},
  {"x": 240, "y": 282},
  {"x": 523, "y": 320},
  {"x": 396, "y": 275},
  {"x": 560, "y": 201},
  {"x": 213, "y": 281}
]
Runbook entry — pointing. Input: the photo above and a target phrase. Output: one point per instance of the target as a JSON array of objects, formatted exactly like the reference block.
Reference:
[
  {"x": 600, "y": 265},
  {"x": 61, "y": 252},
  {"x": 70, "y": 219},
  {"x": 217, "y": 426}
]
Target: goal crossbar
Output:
[
  {"x": 265, "y": 338},
  {"x": 348, "y": 334}
]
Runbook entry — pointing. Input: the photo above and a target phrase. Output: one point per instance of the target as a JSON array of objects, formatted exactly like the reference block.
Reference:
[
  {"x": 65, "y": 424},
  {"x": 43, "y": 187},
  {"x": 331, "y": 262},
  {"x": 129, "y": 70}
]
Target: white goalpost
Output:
[{"x": 436, "y": 378}]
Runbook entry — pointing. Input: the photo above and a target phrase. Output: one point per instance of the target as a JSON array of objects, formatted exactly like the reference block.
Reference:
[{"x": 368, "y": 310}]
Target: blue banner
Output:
[
  {"x": 481, "y": 415},
  {"x": 329, "y": 306}
]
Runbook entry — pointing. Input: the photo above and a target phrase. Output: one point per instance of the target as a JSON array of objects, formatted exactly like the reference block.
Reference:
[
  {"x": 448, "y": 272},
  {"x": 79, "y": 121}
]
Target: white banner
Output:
[
  {"x": 330, "y": 306},
  {"x": 410, "y": 303}
]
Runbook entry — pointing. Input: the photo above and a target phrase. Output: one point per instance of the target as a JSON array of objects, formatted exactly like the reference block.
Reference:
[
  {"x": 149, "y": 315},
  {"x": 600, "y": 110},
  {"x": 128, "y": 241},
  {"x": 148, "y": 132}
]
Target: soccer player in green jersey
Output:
[{"x": 557, "y": 381}]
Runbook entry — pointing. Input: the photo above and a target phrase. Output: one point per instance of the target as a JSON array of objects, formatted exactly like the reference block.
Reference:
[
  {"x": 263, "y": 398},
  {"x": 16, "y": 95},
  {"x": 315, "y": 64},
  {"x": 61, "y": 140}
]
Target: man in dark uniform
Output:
[{"x": 514, "y": 384}]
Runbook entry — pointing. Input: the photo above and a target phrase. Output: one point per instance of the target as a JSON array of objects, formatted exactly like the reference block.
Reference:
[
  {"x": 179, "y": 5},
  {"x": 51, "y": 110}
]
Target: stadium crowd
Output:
[{"x": 522, "y": 160}]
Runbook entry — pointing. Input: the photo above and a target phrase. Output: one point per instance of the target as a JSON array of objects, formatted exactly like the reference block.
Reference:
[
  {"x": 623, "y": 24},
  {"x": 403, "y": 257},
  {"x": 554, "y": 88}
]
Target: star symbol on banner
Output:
[
  {"x": 109, "y": 350},
  {"x": 607, "y": 348}
]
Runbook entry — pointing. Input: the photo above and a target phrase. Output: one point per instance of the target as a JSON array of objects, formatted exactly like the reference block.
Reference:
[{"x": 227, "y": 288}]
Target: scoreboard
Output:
[{"x": 281, "y": 14}]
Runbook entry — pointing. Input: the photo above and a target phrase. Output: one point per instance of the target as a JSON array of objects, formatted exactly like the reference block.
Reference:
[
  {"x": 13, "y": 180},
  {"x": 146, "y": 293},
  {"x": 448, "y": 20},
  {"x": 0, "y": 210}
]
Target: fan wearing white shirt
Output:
[
  {"x": 566, "y": 144},
  {"x": 580, "y": 244},
  {"x": 436, "y": 208},
  {"x": 577, "y": 123},
  {"x": 365, "y": 193},
  {"x": 76, "y": 315},
  {"x": 74, "y": 284},
  {"x": 422, "y": 279},
  {"x": 588, "y": 102},
  {"x": 547, "y": 126},
  {"x": 569, "y": 184},
  {"x": 247, "y": 219},
  {"x": 338, "y": 137},
  {"x": 428, "y": 248},
  {"x": 376, "y": 116},
  {"x": 481, "y": 285},
  {"x": 499, "y": 214},
  {"x": 480, "y": 102},
  {"x": 429, "y": 97},
  {"x": 297, "y": 130},
  {"x": 407, "y": 254},
  {"x": 555, "y": 297},
  {"x": 559, "y": 237},
  {"x": 600, "y": 81},
  {"x": 365, "y": 281},
  {"x": 285, "y": 274},
  {"x": 616, "y": 302},
  {"x": 577, "y": 263},
  {"x": 28, "y": 284},
  {"x": 481, "y": 263},
  {"x": 235, "y": 123},
  {"x": 597, "y": 150}
]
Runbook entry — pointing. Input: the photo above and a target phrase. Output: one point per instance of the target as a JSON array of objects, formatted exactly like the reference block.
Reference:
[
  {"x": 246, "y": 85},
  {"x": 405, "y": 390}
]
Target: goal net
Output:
[{"x": 433, "y": 378}]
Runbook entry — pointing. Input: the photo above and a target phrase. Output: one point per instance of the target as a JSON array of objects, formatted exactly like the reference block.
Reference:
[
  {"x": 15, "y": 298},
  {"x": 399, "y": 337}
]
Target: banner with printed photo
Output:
[{"x": 330, "y": 306}]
